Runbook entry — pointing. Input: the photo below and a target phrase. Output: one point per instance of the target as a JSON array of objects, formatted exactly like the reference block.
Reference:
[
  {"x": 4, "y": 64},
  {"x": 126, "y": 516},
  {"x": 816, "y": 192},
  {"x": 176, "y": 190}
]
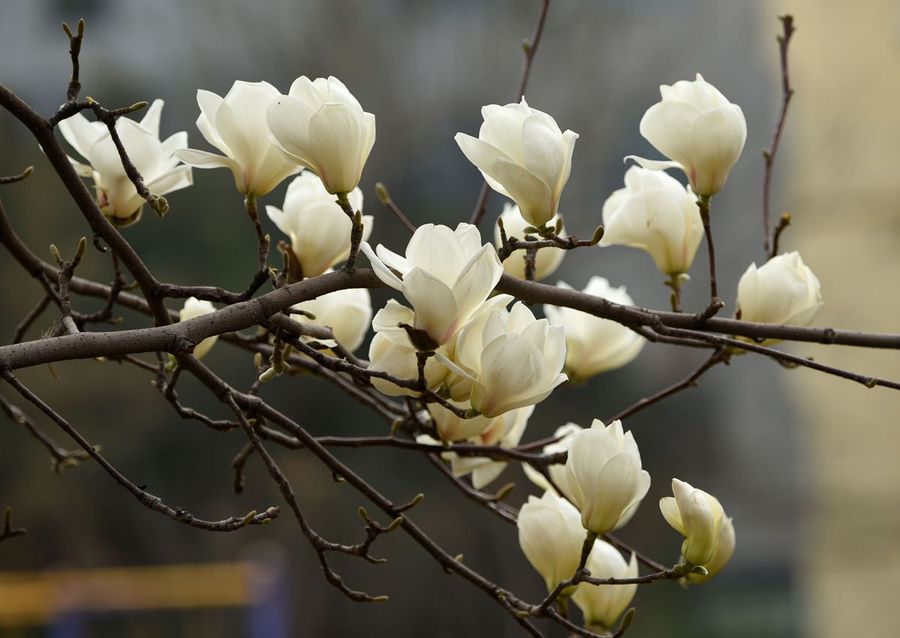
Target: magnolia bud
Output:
[
  {"x": 507, "y": 359},
  {"x": 347, "y": 312},
  {"x": 321, "y": 126},
  {"x": 696, "y": 127},
  {"x": 446, "y": 275},
  {"x": 236, "y": 125},
  {"x": 708, "y": 533},
  {"x": 524, "y": 155},
  {"x": 318, "y": 227},
  {"x": 595, "y": 345},
  {"x": 655, "y": 213},
  {"x": 603, "y": 476},
  {"x": 783, "y": 290},
  {"x": 551, "y": 537}
]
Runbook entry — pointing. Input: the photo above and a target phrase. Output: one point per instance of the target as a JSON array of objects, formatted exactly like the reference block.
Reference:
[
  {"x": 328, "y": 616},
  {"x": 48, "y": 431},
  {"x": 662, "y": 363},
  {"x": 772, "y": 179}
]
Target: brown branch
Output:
[
  {"x": 529, "y": 48},
  {"x": 146, "y": 499},
  {"x": 719, "y": 356},
  {"x": 487, "y": 501},
  {"x": 42, "y": 130},
  {"x": 66, "y": 272},
  {"x": 221, "y": 389},
  {"x": 778, "y": 355},
  {"x": 8, "y": 531},
  {"x": 787, "y": 92},
  {"x": 61, "y": 459},
  {"x": 75, "y": 40},
  {"x": 318, "y": 543}
]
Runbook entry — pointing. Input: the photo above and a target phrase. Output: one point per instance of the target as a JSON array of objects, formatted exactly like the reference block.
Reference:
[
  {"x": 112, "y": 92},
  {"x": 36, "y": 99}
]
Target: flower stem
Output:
[
  {"x": 715, "y": 304},
  {"x": 262, "y": 238},
  {"x": 356, "y": 232}
]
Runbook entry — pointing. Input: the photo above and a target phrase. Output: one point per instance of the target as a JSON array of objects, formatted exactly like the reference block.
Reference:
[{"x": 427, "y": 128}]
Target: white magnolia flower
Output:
[
  {"x": 318, "y": 227},
  {"x": 564, "y": 434},
  {"x": 783, "y": 290},
  {"x": 236, "y": 125},
  {"x": 504, "y": 431},
  {"x": 546, "y": 261},
  {"x": 655, "y": 213},
  {"x": 320, "y": 125},
  {"x": 699, "y": 517},
  {"x": 446, "y": 276},
  {"x": 347, "y": 312},
  {"x": 522, "y": 154},
  {"x": 392, "y": 352},
  {"x": 117, "y": 197},
  {"x": 603, "y": 604},
  {"x": 551, "y": 537},
  {"x": 595, "y": 345},
  {"x": 696, "y": 127},
  {"x": 192, "y": 309},
  {"x": 507, "y": 359},
  {"x": 604, "y": 478}
]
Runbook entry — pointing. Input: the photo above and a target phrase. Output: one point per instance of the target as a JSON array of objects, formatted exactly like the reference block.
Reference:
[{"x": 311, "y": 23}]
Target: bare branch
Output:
[
  {"x": 146, "y": 499},
  {"x": 787, "y": 92},
  {"x": 8, "y": 531}
]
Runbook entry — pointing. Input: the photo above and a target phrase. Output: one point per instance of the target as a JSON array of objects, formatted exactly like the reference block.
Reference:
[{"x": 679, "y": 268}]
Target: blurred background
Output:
[{"x": 806, "y": 464}]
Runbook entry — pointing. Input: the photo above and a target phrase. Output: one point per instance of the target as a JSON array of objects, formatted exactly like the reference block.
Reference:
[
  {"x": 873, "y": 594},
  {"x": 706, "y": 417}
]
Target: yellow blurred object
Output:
[{"x": 32, "y": 598}]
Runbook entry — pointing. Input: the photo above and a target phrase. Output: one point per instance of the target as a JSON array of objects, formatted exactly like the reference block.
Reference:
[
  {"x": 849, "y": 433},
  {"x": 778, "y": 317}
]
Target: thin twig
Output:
[
  {"x": 75, "y": 40},
  {"x": 8, "y": 531},
  {"x": 529, "y": 48},
  {"x": 778, "y": 355},
  {"x": 146, "y": 499},
  {"x": 61, "y": 459},
  {"x": 385, "y": 198},
  {"x": 318, "y": 543},
  {"x": 504, "y": 511},
  {"x": 787, "y": 92},
  {"x": 23, "y": 326},
  {"x": 718, "y": 356}
]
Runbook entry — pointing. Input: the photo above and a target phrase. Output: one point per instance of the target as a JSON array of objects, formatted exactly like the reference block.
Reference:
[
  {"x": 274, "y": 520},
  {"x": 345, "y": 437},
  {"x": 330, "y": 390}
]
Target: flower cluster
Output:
[{"x": 472, "y": 363}]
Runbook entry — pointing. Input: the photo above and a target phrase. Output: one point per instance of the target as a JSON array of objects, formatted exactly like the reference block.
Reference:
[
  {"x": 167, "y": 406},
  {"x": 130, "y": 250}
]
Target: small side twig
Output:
[
  {"x": 385, "y": 198},
  {"x": 64, "y": 277},
  {"x": 148, "y": 500},
  {"x": 61, "y": 459},
  {"x": 783, "y": 222},
  {"x": 8, "y": 530},
  {"x": 35, "y": 312},
  {"x": 718, "y": 356},
  {"x": 12, "y": 179},
  {"x": 318, "y": 543},
  {"x": 75, "y": 40}
]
